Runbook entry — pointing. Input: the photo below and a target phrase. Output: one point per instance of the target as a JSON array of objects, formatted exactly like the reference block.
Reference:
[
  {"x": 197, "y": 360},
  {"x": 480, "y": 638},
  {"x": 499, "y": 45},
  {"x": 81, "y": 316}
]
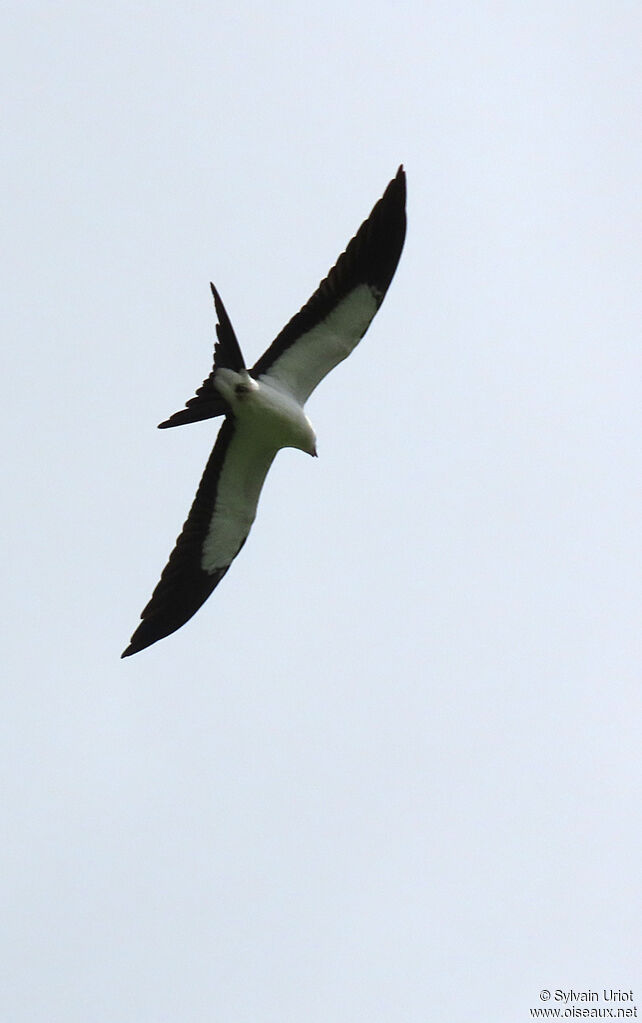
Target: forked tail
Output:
[{"x": 207, "y": 402}]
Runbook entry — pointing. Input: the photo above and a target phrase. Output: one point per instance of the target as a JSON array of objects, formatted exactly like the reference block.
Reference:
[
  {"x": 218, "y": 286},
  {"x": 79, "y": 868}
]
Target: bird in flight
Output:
[{"x": 264, "y": 411}]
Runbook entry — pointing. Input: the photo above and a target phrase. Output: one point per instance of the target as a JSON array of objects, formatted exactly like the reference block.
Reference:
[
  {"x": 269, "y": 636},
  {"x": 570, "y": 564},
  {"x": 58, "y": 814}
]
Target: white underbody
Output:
[{"x": 277, "y": 417}]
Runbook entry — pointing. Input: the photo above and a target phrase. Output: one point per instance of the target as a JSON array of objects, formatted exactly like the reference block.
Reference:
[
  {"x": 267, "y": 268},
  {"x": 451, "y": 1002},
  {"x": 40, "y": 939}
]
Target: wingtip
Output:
[
  {"x": 140, "y": 639},
  {"x": 400, "y": 180},
  {"x": 133, "y": 648}
]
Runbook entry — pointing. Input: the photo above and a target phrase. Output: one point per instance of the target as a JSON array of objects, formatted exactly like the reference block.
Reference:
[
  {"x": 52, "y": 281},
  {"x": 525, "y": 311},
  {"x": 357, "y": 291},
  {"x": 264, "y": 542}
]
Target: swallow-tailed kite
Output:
[{"x": 263, "y": 410}]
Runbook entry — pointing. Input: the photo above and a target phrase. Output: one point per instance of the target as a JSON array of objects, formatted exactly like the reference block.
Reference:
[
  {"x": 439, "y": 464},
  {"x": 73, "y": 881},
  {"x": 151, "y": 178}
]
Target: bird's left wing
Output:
[
  {"x": 216, "y": 528},
  {"x": 333, "y": 321}
]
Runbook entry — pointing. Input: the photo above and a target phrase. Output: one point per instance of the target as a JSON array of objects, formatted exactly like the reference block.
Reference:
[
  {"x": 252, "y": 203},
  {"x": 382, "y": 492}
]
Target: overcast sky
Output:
[{"x": 390, "y": 773}]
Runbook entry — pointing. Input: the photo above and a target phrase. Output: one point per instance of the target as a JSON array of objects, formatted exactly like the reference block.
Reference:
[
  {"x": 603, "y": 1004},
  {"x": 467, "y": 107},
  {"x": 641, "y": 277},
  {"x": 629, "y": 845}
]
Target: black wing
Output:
[
  {"x": 334, "y": 320},
  {"x": 216, "y": 529}
]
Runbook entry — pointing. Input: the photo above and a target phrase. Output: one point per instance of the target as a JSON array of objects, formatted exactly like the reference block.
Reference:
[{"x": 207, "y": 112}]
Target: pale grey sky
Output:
[{"x": 391, "y": 771}]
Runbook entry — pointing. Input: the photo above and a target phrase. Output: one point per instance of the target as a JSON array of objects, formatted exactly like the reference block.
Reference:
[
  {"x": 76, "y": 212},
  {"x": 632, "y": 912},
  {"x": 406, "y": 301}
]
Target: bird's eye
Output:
[{"x": 241, "y": 389}]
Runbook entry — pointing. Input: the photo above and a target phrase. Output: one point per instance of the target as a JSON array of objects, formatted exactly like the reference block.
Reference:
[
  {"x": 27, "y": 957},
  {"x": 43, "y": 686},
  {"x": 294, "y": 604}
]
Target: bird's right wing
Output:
[{"x": 333, "y": 321}]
